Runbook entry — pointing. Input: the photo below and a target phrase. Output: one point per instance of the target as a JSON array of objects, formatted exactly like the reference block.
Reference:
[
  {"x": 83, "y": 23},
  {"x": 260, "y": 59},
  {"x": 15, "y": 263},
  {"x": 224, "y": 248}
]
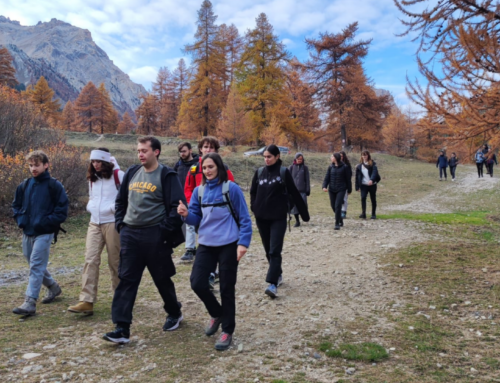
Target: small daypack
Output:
[
  {"x": 115, "y": 177},
  {"x": 226, "y": 200}
]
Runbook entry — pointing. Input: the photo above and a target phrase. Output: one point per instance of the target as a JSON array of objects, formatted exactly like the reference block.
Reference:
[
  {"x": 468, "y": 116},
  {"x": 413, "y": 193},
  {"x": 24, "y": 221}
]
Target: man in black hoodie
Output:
[{"x": 186, "y": 161}]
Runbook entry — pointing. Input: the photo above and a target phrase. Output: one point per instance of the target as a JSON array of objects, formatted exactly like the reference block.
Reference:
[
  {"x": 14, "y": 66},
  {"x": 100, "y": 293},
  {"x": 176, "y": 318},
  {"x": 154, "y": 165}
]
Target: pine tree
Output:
[
  {"x": 147, "y": 113},
  {"x": 126, "y": 125},
  {"x": 68, "y": 118},
  {"x": 87, "y": 108},
  {"x": 7, "y": 71},
  {"x": 107, "y": 117},
  {"x": 181, "y": 78},
  {"x": 42, "y": 96},
  {"x": 230, "y": 44},
  {"x": 261, "y": 73},
  {"x": 234, "y": 126},
  {"x": 165, "y": 92}
]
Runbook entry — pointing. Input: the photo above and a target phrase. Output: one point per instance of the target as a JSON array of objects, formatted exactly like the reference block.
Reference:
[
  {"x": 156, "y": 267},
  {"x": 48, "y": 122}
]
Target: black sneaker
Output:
[
  {"x": 297, "y": 224},
  {"x": 120, "y": 335},
  {"x": 188, "y": 255},
  {"x": 344, "y": 214},
  {"x": 337, "y": 227},
  {"x": 213, "y": 326},
  {"x": 172, "y": 323},
  {"x": 223, "y": 342},
  {"x": 373, "y": 216},
  {"x": 362, "y": 216}
]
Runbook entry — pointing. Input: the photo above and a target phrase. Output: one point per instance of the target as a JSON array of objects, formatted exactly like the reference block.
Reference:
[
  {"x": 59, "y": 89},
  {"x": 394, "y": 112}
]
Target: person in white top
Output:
[
  {"x": 104, "y": 176},
  {"x": 367, "y": 177}
]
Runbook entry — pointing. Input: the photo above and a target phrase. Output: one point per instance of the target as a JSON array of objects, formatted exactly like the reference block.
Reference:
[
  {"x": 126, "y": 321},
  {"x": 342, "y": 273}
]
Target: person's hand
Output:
[
  {"x": 242, "y": 250},
  {"x": 370, "y": 183},
  {"x": 182, "y": 210},
  {"x": 325, "y": 189}
]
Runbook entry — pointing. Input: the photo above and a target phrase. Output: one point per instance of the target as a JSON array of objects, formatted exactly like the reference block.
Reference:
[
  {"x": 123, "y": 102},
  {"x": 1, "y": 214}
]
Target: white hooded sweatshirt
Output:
[{"x": 102, "y": 195}]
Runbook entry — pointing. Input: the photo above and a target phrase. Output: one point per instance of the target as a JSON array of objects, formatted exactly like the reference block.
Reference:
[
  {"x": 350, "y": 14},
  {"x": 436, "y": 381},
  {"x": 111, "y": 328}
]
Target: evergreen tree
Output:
[
  {"x": 87, "y": 108},
  {"x": 234, "y": 126},
  {"x": 42, "y": 96},
  {"x": 230, "y": 44},
  {"x": 107, "y": 117},
  {"x": 147, "y": 113},
  {"x": 68, "y": 118},
  {"x": 126, "y": 125},
  {"x": 7, "y": 71}
]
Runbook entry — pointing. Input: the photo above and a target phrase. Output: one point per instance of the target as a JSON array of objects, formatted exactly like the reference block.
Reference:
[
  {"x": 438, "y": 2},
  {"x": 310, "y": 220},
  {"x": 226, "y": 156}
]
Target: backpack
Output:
[
  {"x": 479, "y": 158},
  {"x": 225, "y": 197},
  {"x": 115, "y": 177},
  {"x": 52, "y": 192}
]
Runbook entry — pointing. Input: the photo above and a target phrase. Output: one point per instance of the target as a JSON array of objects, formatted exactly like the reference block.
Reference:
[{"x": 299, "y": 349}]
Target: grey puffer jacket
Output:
[{"x": 300, "y": 174}]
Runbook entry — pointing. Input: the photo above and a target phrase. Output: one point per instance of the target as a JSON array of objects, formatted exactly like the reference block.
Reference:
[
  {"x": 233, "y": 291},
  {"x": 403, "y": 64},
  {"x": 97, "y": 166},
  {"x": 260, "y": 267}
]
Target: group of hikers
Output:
[
  {"x": 142, "y": 214},
  {"x": 483, "y": 157}
]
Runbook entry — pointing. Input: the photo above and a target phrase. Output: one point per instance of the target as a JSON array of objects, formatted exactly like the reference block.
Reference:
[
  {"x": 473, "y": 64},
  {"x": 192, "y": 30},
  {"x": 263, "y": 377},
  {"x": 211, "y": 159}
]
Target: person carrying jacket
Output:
[
  {"x": 491, "y": 160},
  {"x": 345, "y": 159},
  {"x": 337, "y": 182},
  {"x": 366, "y": 182},
  {"x": 479, "y": 157},
  {"x": 40, "y": 206},
  {"x": 223, "y": 239},
  {"x": 270, "y": 196},
  {"x": 193, "y": 179},
  {"x": 442, "y": 164},
  {"x": 149, "y": 226},
  {"x": 186, "y": 161},
  {"x": 300, "y": 175},
  {"x": 453, "y": 162},
  {"x": 105, "y": 177}
]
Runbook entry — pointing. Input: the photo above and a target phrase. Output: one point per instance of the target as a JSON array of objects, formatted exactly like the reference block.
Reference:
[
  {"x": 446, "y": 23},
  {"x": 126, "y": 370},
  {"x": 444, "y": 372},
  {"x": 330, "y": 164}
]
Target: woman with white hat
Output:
[{"x": 105, "y": 177}]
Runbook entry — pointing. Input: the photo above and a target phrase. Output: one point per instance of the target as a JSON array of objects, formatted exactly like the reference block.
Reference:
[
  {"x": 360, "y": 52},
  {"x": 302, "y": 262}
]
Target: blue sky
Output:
[{"x": 141, "y": 36}]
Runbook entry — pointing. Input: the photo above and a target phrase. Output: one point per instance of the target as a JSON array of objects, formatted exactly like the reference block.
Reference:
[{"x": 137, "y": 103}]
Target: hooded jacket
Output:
[
  {"x": 182, "y": 168},
  {"x": 102, "y": 196},
  {"x": 300, "y": 175},
  {"x": 442, "y": 161}
]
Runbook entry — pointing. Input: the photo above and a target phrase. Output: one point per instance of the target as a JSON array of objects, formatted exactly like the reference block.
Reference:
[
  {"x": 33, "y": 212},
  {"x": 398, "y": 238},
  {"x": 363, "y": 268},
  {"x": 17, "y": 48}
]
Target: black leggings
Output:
[
  {"x": 441, "y": 171},
  {"x": 479, "y": 169},
  {"x": 490, "y": 169},
  {"x": 372, "y": 190},
  {"x": 336, "y": 201},
  {"x": 272, "y": 234},
  {"x": 452, "y": 171}
]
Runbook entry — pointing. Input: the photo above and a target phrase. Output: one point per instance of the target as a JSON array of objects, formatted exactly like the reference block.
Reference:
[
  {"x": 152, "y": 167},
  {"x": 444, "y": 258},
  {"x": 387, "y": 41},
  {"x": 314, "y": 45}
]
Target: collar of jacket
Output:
[
  {"x": 42, "y": 177},
  {"x": 212, "y": 183}
]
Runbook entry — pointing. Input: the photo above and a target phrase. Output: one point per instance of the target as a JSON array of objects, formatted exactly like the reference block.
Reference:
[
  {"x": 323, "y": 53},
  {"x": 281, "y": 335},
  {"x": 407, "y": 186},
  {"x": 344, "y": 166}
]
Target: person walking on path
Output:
[
  {"x": 453, "y": 162},
  {"x": 442, "y": 164},
  {"x": 218, "y": 207},
  {"x": 491, "y": 160},
  {"x": 271, "y": 193},
  {"x": 367, "y": 178},
  {"x": 337, "y": 182},
  {"x": 186, "y": 161},
  {"x": 345, "y": 160},
  {"x": 479, "y": 157},
  {"x": 300, "y": 174},
  {"x": 150, "y": 227},
  {"x": 105, "y": 177},
  {"x": 193, "y": 179},
  {"x": 40, "y": 206}
]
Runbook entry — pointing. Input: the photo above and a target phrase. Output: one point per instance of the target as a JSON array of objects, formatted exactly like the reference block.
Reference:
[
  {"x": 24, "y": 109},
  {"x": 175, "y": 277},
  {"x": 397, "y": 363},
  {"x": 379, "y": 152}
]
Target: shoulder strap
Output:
[
  {"x": 282, "y": 174},
  {"x": 227, "y": 199},
  {"x": 24, "y": 184},
  {"x": 201, "y": 190},
  {"x": 117, "y": 179},
  {"x": 259, "y": 172}
]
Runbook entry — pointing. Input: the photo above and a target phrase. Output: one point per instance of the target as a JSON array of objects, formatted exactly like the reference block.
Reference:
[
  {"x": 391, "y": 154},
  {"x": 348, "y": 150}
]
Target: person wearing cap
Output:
[{"x": 105, "y": 177}]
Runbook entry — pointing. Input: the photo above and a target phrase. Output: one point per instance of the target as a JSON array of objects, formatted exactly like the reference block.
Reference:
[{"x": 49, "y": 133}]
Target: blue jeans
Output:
[
  {"x": 36, "y": 250},
  {"x": 190, "y": 237}
]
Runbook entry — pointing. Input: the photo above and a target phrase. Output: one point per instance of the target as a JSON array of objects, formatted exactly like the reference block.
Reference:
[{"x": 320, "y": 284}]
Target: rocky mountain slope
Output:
[{"x": 68, "y": 58}]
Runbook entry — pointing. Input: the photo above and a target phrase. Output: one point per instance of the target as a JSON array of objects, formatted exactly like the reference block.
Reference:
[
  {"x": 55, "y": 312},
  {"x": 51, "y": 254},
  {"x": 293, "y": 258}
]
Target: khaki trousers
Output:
[{"x": 97, "y": 237}]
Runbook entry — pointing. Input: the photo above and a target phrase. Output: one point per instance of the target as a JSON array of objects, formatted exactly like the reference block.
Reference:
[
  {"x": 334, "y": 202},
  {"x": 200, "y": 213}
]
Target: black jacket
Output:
[
  {"x": 453, "y": 161},
  {"x": 267, "y": 195},
  {"x": 492, "y": 159},
  {"x": 300, "y": 175},
  {"x": 372, "y": 172},
  {"x": 172, "y": 193},
  {"x": 338, "y": 178},
  {"x": 182, "y": 168}
]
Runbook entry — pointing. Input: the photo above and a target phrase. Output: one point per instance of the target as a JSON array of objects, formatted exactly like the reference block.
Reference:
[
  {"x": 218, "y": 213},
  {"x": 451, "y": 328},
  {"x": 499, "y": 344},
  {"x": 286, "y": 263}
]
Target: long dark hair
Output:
[
  {"x": 106, "y": 169},
  {"x": 221, "y": 169},
  {"x": 337, "y": 158},
  {"x": 366, "y": 153},
  {"x": 345, "y": 159},
  {"x": 275, "y": 151}
]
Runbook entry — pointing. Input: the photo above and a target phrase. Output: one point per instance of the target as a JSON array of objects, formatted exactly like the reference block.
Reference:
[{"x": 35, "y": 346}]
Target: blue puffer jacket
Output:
[
  {"x": 442, "y": 161},
  {"x": 40, "y": 209}
]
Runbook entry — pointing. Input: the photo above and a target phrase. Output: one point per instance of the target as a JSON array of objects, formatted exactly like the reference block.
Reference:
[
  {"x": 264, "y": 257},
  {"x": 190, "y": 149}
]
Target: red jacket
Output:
[{"x": 194, "y": 179}]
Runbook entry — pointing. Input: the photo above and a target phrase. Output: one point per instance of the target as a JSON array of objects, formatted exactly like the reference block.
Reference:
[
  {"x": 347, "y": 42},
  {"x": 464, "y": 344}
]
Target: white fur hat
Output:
[{"x": 100, "y": 155}]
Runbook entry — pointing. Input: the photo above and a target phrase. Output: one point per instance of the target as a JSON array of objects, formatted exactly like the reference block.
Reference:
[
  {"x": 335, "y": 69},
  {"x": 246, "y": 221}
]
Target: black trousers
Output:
[
  {"x": 141, "y": 248},
  {"x": 490, "y": 169},
  {"x": 479, "y": 169},
  {"x": 272, "y": 234},
  {"x": 205, "y": 262},
  {"x": 442, "y": 171},
  {"x": 336, "y": 202},
  {"x": 372, "y": 190},
  {"x": 452, "y": 171}
]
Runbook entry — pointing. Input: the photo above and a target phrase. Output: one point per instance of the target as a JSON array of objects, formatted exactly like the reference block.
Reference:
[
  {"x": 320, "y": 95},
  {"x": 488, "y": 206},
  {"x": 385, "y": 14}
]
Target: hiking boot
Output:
[
  {"x": 223, "y": 342},
  {"x": 280, "y": 281},
  {"x": 188, "y": 255},
  {"x": 440, "y": 179},
  {"x": 172, "y": 322},
  {"x": 27, "y": 308},
  {"x": 337, "y": 227},
  {"x": 373, "y": 216},
  {"x": 120, "y": 335},
  {"x": 362, "y": 216},
  {"x": 344, "y": 214},
  {"x": 341, "y": 223},
  {"x": 297, "y": 224},
  {"x": 272, "y": 291},
  {"x": 52, "y": 293},
  {"x": 211, "y": 281},
  {"x": 86, "y": 308},
  {"x": 213, "y": 326}
]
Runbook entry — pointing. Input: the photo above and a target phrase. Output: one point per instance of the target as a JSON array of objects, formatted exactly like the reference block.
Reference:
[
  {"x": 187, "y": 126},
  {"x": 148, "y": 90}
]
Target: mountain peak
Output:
[{"x": 4, "y": 19}]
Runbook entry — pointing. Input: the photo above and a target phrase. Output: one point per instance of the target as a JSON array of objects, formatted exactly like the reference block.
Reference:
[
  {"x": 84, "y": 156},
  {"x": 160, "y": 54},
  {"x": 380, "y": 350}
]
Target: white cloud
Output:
[{"x": 144, "y": 75}]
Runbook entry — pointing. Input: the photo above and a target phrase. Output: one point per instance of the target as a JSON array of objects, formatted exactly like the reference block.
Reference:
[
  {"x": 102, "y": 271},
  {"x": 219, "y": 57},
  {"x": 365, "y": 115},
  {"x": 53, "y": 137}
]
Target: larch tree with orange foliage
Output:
[
  {"x": 42, "y": 96},
  {"x": 107, "y": 117},
  {"x": 68, "y": 118},
  {"x": 7, "y": 71},
  {"x": 126, "y": 125},
  {"x": 87, "y": 108},
  {"x": 147, "y": 114},
  {"x": 399, "y": 132}
]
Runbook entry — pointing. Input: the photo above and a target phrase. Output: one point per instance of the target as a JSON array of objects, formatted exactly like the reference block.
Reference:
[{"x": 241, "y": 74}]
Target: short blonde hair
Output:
[{"x": 37, "y": 156}]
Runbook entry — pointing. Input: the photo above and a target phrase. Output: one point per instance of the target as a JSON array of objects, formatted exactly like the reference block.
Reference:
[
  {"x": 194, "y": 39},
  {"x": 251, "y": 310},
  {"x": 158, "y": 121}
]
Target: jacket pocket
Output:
[
  {"x": 21, "y": 219},
  {"x": 44, "y": 226}
]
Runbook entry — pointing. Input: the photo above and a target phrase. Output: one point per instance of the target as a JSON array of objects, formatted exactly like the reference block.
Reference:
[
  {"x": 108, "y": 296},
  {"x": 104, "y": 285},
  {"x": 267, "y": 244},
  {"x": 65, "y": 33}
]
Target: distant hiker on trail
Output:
[
  {"x": 271, "y": 194},
  {"x": 442, "y": 164},
  {"x": 479, "y": 157},
  {"x": 367, "y": 177},
  {"x": 453, "y": 162},
  {"x": 218, "y": 207},
  {"x": 491, "y": 160},
  {"x": 337, "y": 183},
  {"x": 150, "y": 227},
  {"x": 40, "y": 206},
  {"x": 105, "y": 177},
  {"x": 345, "y": 160},
  {"x": 300, "y": 174},
  {"x": 186, "y": 161}
]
